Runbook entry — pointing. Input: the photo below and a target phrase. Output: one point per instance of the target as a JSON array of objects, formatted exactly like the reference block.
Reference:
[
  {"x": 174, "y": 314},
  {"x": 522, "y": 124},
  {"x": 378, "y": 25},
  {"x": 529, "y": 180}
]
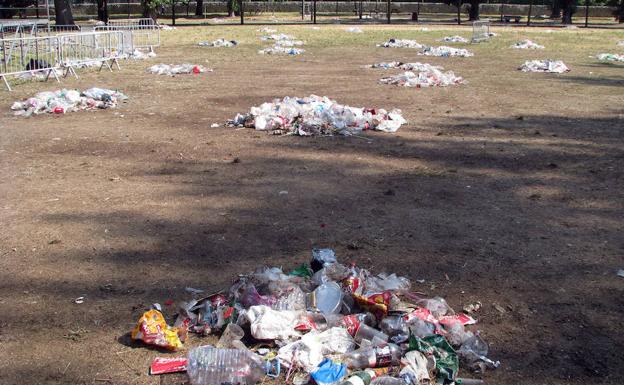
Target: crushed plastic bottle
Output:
[
  {"x": 527, "y": 44},
  {"x": 209, "y": 366},
  {"x": 63, "y": 101},
  {"x": 373, "y": 357},
  {"x": 474, "y": 352},
  {"x": 552, "y": 66}
]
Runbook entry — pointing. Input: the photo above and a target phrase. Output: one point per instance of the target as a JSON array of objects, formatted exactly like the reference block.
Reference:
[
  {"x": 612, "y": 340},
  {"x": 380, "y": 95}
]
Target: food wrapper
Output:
[
  {"x": 153, "y": 330},
  {"x": 375, "y": 303}
]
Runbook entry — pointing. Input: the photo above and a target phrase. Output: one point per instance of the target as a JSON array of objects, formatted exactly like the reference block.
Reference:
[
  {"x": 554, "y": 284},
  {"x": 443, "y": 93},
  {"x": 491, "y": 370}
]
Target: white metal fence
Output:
[
  {"x": 138, "y": 33},
  {"x": 46, "y": 55},
  {"x": 480, "y": 31}
]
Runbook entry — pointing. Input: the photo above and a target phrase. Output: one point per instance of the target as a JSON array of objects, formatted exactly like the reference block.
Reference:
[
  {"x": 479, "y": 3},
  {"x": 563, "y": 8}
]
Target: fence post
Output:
[
  {"x": 388, "y": 10},
  {"x": 529, "y": 17},
  {"x": 314, "y": 13},
  {"x": 586, "y": 13},
  {"x": 173, "y": 12},
  {"x": 242, "y": 12},
  {"x": 361, "y": 5}
]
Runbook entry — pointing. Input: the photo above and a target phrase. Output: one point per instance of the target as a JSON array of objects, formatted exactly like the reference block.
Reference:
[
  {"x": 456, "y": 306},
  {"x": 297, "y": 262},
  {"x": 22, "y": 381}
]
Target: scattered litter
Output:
[
  {"x": 620, "y": 43},
  {"x": 166, "y": 27},
  {"x": 172, "y": 70},
  {"x": 417, "y": 66},
  {"x": 79, "y": 300},
  {"x": 610, "y": 57},
  {"x": 192, "y": 290},
  {"x": 279, "y": 50},
  {"x": 472, "y": 307},
  {"x": 218, "y": 43},
  {"x": 492, "y": 34},
  {"x": 315, "y": 28},
  {"x": 400, "y": 43},
  {"x": 215, "y": 125},
  {"x": 153, "y": 330},
  {"x": 288, "y": 43},
  {"x": 63, "y": 101},
  {"x": 454, "y": 39},
  {"x": 140, "y": 55},
  {"x": 162, "y": 365},
  {"x": 620, "y": 273},
  {"x": 354, "y": 30},
  {"x": 315, "y": 115},
  {"x": 424, "y": 29},
  {"x": 527, "y": 44},
  {"x": 444, "y": 51},
  {"x": 499, "y": 308},
  {"x": 267, "y": 30},
  {"x": 553, "y": 66},
  {"x": 430, "y": 77},
  {"x": 281, "y": 36}
]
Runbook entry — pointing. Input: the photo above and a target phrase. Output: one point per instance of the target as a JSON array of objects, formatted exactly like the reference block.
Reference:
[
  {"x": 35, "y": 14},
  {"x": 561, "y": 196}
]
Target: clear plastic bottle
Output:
[
  {"x": 373, "y": 357},
  {"x": 208, "y": 365}
]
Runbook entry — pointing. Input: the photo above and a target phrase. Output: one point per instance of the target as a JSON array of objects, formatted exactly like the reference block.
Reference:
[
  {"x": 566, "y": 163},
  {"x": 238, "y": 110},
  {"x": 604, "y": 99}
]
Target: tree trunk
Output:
[
  {"x": 149, "y": 10},
  {"x": 63, "y": 13},
  {"x": 556, "y": 9},
  {"x": 230, "y": 8},
  {"x": 102, "y": 10},
  {"x": 619, "y": 12},
  {"x": 569, "y": 8},
  {"x": 199, "y": 8},
  {"x": 473, "y": 13}
]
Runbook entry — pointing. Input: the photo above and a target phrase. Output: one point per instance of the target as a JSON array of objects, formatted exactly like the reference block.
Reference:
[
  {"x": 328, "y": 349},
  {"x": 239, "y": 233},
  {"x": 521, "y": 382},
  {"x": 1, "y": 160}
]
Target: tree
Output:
[
  {"x": 619, "y": 11},
  {"x": 102, "y": 10},
  {"x": 199, "y": 8},
  {"x": 150, "y": 8},
  {"x": 63, "y": 13},
  {"x": 556, "y": 9},
  {"x": 473, "y": 11},
  {"x": 569, "y": 8},
  {"x": 6, "y": 11}
]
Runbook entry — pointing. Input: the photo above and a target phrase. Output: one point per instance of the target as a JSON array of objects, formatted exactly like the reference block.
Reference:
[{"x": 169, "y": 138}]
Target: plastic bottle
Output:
[
  {"x": 350, "y": 322},
  {"x": 373, "y": 357},
  {"x": 209, "y": 366},
  {"x": 394, "y": 326},
  {"x": 387, "y": 380},
  {"x": 363, "y": 377}
]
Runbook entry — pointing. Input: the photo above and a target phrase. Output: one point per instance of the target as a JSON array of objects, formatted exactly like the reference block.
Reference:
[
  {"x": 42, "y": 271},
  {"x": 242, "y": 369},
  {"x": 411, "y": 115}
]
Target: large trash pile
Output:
[
  {"x": 316, "y": 115},
  {"x": 430, "y": 77},
  {"x": 63, "y": 101},
  {"x": 444, "y": 51},
  {"x": 454, "y": 39},
  {"x": 280, "y": 36},
  {"x": 401, "y": 43},
  {"x": 417, "y": 66},
  {"x": 177, "y": 69},
  {"x": 218, "y": 43},
  {"x": 280, "y": 50},
  {"x": 554, "y": 66},
  {"x": 610, "y": 57},
  {"x": 324, "y": 323},
  {"x": 526, "y": 44}
]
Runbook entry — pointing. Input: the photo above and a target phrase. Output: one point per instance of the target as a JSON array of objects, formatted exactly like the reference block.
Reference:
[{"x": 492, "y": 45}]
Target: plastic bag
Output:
[{"x": 153, "y": 330}]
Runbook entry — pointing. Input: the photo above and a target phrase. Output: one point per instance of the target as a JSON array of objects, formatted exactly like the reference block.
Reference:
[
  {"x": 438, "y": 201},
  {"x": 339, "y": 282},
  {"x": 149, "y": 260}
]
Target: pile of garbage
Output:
[
  {"x": 401, "y": 43},
  {"x": 527, "y": 44},
  {"x": 553, "y": 66},
  {"x": 63, "y": 101},
  {"x": 289, "y": 43},
  {"x": 323, "y": 323},
  {"x": 444, "y": 51},
  {"x": 354, "y": 30},
  {"x": 140, "y": 55},
  {"x": 316, "y": 115},
  {"x": 417, "y": 66},
  {"x": 219, "y": 43},
  {"x": 610, "y": 57},
  {"x": 429, "y": 77},
  {"x": 454, "y": 39},
  {"x": 279, "y": 50},
  {"x": 177, "y": 69}
]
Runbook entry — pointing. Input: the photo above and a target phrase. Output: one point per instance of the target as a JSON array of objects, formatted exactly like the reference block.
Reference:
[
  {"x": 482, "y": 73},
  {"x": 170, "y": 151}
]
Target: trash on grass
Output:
[
  {"x": 454, "y": 39},
  {"x": 267, "y": 30},
  {"x": 552, "y": 66},
  {"x": 315, "y": 115},
  {"x": 177, "y": 69},
  {"x": 280, "y": 36},
  {"x": 444, "y": 51},
  {"x": 527, "y": 44},
  {"x": 63, "y": 101},
  {"x": 610, "y": 57},
  {"x": 354, "y": 30},
  {"x": 430, "y": 77},
  {"x": 279, "y": 50},
  {"x": 400, "y": 43},
  {"x": 218, "y": 43}
]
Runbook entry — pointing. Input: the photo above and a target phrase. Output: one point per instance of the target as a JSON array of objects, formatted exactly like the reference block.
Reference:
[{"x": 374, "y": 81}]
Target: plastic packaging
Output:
[
  {"x": 281, "y": 50},
  {"x": 351, "y": 322},
  {"x": 444, "y": 51},
  {"x": 610, "y": 57},
  {"x": 430, "y": 78},
  {"x": 416, "y": 368},
  {"x": 454, "y": 39},
  {"x": 473, "y": 353},
  {"x": 172, "y": 70},
  {"x": 354, "y": 30},
  {"x": 322, "y": 258},
  {"x": 552, "y": 66},
  {"x": 326, "y": 298},
  {"x": 364, "y": 377},
  {"x": 527, "y": 44},
  {"x": 400, "y": 43},
  {"x": 329, "y": 372},
  {"x": 153, "y": 330},
  {"x": 387, "y": 380},
  {"x": 63, "y": 101},
  {"x": 209, "y": 366},
  {"x": 395, "y": 327},
  {"x": 365, "y": 332},
  {"x": 373, "y": 356},
  {"x": 231, "y": 334},
  {"x": 218, "y": 43}
]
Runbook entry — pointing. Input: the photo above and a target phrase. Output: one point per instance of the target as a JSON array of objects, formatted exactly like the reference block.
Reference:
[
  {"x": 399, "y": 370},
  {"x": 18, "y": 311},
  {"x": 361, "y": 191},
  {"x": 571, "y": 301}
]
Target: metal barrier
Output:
[
  {"x": 28, "y": 55},
  {"x": 53, "y": 29},
  {"x": 480, "y": 31},
  {"x": 136, "y": 35},
  {"x": 89, "y": 49}
]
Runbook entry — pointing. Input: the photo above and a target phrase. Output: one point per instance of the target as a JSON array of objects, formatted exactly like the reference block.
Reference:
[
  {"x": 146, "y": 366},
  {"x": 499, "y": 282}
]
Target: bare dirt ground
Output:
[{"x": 507, "y": 190}]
